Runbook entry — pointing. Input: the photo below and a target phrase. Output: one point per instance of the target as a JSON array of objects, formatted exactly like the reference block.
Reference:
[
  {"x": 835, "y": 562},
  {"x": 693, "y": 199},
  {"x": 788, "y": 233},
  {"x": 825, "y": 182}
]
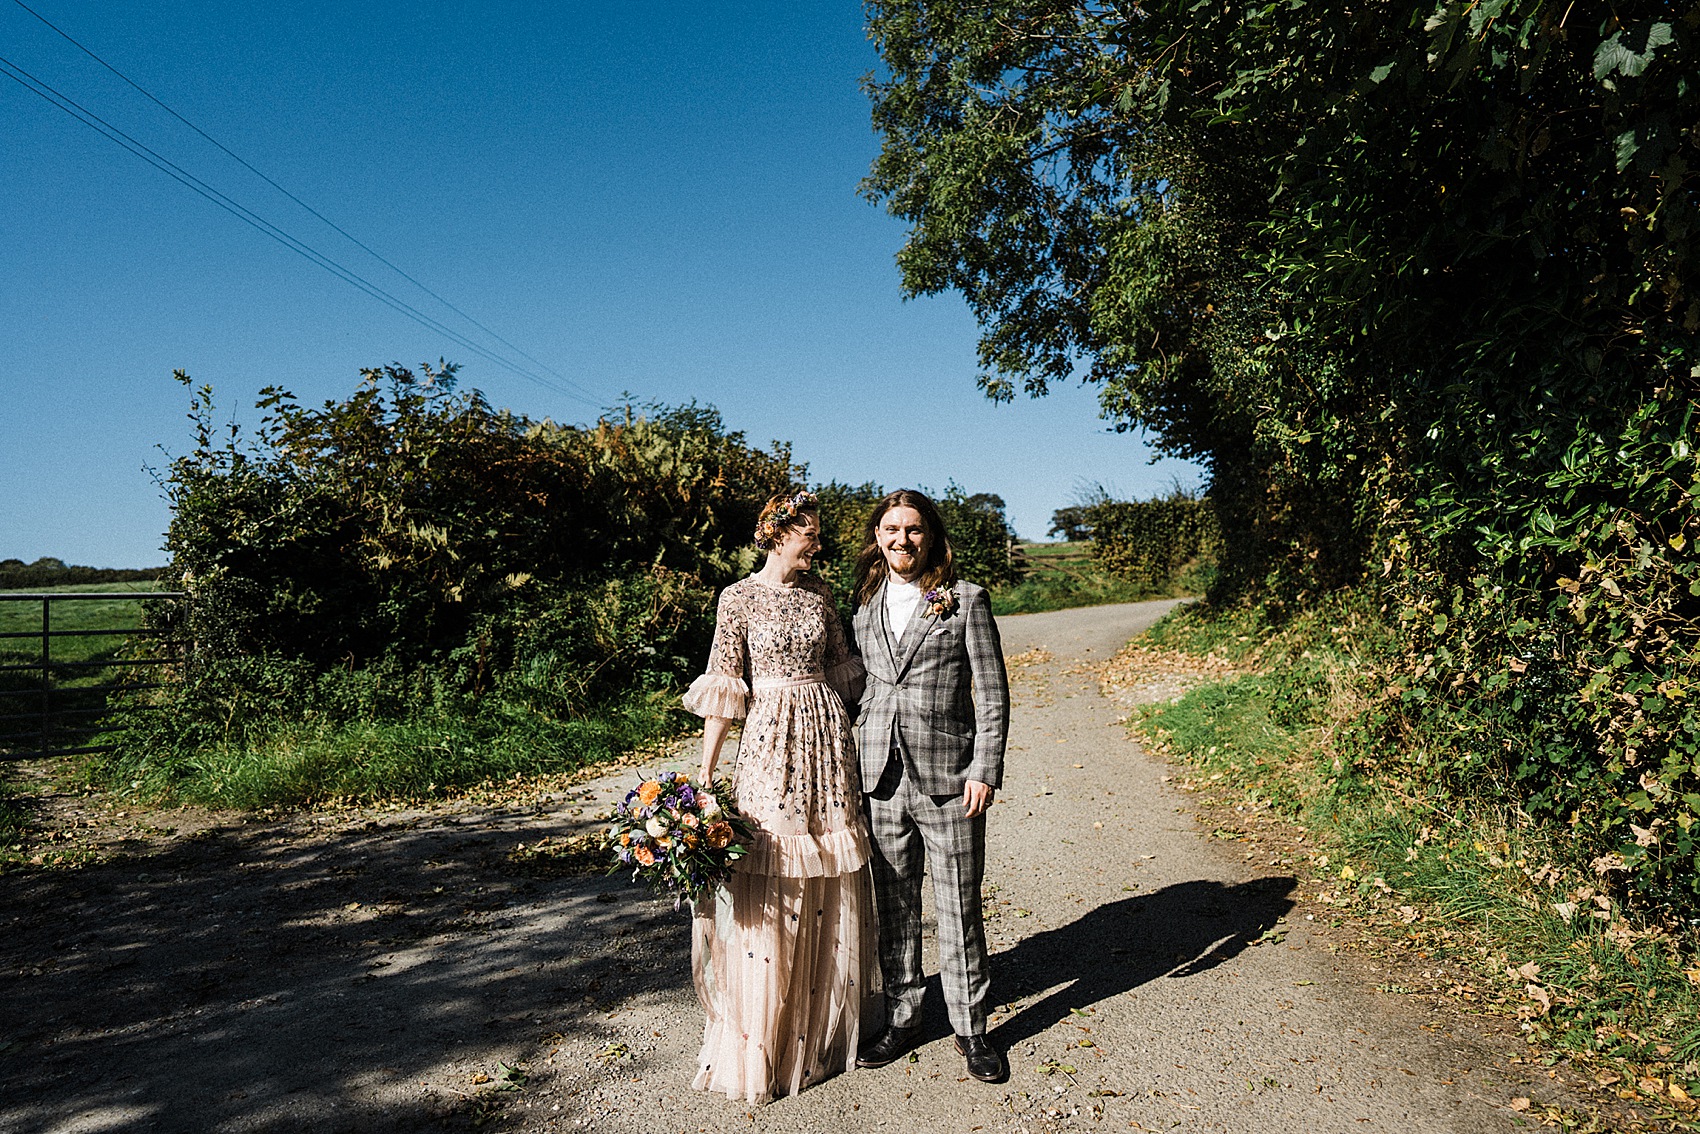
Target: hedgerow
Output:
[
  {"x": 410, "y": 554},
  {"x": 1416, "y": 283},
  {"x": 408, "y": 589},
  {"x": 1151, "y": 542}
]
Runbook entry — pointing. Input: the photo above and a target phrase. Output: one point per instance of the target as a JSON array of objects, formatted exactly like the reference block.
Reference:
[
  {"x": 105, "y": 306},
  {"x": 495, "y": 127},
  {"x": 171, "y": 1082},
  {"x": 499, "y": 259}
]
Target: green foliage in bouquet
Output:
[{"x": 679, "y": 837}]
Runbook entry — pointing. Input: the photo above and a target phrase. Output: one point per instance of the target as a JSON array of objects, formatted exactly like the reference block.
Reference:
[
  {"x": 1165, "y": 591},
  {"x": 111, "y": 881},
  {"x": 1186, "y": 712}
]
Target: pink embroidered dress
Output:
[{"x": 787, "y": 955}]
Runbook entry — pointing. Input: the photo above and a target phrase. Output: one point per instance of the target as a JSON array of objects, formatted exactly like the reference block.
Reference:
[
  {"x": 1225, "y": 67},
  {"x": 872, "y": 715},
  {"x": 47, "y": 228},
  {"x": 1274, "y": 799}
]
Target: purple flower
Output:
[{"x": 941, "y": 599}]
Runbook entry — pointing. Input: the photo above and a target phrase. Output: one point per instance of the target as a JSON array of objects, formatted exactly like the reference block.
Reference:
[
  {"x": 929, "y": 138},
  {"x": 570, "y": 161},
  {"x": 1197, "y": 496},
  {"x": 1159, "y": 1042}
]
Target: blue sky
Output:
[{"x": 658, "y": 199}]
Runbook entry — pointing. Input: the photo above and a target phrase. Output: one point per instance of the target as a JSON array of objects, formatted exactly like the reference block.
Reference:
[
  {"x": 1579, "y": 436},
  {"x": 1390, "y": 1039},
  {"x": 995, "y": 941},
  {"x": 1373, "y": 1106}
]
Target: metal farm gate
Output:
[{"x": 63, "y": 678}]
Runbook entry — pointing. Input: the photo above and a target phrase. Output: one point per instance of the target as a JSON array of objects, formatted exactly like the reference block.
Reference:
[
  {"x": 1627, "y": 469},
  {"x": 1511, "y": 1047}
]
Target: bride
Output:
[{"x": 787, "y": 954}]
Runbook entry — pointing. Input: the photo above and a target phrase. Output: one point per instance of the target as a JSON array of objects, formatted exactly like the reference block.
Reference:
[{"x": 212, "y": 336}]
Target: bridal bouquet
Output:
[{"x": 680, "y": 837}]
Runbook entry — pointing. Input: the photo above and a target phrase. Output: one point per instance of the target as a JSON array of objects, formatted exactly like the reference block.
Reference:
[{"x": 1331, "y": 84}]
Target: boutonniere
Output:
[{"x": 942, "y": 600}]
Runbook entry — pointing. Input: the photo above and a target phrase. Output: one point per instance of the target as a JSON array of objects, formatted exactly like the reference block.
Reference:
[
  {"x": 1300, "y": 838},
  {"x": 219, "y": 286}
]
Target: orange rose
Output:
[
  {"x": 645, "y": 856},
  {"x": 648, "y": 792},
  {"x": 719, "y": 835}
]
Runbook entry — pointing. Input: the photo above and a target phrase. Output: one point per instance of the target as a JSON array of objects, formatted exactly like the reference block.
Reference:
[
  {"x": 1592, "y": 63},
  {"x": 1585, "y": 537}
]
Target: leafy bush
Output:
[
  {"x": 1417, "y": 283},
  {"x": 394, "y": 522},
  {"x": 1151, "y": 543},
  {"x": 844, "y": 512},
  {"x": 411, "y": 555},
  {"x": 980, "y": 536},
  {"x": 1552, "y": 624}
]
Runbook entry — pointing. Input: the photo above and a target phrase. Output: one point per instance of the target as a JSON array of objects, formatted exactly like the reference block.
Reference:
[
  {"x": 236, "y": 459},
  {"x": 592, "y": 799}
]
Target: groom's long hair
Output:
[{"x": 940, "y": 568}]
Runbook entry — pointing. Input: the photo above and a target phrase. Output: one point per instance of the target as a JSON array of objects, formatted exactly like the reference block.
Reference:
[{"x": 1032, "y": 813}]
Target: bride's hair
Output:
[
  {"x": 783, "y": 512},
  {"x": 940, "y": 568}
]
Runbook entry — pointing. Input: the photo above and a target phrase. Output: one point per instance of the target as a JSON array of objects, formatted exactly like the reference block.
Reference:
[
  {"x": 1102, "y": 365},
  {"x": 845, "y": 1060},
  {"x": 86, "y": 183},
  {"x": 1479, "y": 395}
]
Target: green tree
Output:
[
  {"x": 1071, "y": 523},
  {"x": 1279, "y": 236},
  {"x": 980, "y": 536},
  {"x": 1415, "y": 281}
]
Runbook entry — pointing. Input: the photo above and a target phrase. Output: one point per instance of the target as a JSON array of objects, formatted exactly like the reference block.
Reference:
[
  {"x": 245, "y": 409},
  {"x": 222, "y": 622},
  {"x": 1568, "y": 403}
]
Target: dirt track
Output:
[{"x": 379, "y": 972}]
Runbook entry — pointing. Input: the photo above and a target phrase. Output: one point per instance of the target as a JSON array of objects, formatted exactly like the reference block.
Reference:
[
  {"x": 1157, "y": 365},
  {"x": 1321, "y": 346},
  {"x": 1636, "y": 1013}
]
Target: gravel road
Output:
[{"x": 384, "y": 972}]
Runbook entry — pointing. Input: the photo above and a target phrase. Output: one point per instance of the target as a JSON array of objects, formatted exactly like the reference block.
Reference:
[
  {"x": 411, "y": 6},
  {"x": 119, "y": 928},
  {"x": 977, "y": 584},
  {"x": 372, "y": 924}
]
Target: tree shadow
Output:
[
  {"x": 268, "y": 980},
  {"x": 1175, "y": 932}
]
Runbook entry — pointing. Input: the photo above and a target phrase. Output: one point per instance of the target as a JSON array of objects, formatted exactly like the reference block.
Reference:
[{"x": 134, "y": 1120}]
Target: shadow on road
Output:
[
  {"x": 1174, "y": 932},
  {"x": 262, "y": 981}
]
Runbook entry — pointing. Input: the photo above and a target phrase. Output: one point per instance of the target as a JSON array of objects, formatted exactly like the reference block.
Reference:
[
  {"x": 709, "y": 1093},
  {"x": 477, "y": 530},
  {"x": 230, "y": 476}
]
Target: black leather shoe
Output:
[
  {"x": 985, "y": 1062},
  {"x": 888, "y": 1047}
]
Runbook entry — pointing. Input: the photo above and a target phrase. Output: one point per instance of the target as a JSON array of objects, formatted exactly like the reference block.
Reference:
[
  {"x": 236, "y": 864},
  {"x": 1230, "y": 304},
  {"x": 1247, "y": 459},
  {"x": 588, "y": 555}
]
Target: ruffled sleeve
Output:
[
  {"x": 844, "y": 670},
  {"x": 722, "y": 691},
  {"x": 716, "y": 695}
]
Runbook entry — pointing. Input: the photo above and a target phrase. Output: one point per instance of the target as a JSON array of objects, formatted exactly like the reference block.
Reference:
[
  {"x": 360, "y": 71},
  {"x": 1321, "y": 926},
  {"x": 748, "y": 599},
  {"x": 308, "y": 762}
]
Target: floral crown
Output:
[{"x": 774, "y": 523}]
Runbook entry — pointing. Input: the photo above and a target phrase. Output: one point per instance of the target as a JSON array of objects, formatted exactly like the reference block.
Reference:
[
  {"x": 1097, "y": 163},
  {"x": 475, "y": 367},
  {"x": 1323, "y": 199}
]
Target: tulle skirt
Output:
[
  {"x": 786, "y": 957},
  {"x": 787, "y": 971}
]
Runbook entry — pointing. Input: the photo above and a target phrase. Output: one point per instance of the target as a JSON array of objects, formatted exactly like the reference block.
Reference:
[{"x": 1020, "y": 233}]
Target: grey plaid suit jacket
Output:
[{"x": 939, "y": 695}]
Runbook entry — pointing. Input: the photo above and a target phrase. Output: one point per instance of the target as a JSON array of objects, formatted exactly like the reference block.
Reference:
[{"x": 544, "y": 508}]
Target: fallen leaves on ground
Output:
[{"x": 1141, "y": 674}]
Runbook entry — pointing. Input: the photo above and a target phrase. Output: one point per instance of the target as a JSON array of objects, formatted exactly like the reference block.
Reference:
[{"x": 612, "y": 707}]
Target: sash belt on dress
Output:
[{"x": 764, "y": 684}]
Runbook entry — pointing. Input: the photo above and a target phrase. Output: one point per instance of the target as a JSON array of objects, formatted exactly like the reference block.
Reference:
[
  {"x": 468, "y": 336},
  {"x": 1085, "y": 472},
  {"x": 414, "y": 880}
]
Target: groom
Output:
[{"x": 931, "y": 730}]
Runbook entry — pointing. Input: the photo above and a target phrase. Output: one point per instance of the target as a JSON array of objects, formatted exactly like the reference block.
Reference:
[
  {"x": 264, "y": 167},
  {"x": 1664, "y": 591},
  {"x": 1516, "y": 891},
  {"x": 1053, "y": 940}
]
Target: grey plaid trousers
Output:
[
  {"x": 906, "y": 824},
  {"x": 935, "y": 714}
]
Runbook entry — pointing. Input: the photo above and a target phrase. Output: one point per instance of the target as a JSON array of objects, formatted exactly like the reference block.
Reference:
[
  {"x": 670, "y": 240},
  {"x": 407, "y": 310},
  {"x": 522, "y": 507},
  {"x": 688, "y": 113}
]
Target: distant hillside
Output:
[{"x": 50, "y": 572}]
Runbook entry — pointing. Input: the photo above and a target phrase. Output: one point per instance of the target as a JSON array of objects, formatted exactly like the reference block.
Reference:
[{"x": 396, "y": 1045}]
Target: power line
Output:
[
  {"x": 165, "y": 165},
  {"x": 171, "y": 169},
  {"x": 245, "y": 164}
]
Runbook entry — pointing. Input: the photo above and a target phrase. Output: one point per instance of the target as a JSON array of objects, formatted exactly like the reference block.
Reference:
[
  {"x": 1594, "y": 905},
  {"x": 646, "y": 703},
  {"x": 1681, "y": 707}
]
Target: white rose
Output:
[
  {"x": 656, "y": 827},
  {"x": 708, "y": 806}
]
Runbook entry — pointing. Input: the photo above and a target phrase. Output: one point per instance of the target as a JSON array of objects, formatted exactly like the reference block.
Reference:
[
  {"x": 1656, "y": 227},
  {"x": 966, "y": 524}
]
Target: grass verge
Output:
[
  {"x": 319, "y": 762},
  {"x": 1502, "y": 915}
]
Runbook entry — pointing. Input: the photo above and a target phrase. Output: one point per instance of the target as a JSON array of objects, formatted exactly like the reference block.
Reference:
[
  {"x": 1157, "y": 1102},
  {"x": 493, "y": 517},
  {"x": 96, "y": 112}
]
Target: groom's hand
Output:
[{"x": 976, "y": 797}]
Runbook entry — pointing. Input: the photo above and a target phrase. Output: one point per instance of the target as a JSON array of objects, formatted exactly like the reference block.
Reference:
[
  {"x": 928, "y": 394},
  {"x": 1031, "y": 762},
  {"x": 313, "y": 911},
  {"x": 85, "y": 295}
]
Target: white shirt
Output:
[{"x": 901, "y": 599}]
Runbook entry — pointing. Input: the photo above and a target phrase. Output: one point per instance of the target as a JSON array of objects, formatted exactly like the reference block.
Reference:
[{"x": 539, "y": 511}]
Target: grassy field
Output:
[
  {"x": 24, "y": 617},
  {"x": 19, "y": 689},
  {"x": 1062, "y": 575}
]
